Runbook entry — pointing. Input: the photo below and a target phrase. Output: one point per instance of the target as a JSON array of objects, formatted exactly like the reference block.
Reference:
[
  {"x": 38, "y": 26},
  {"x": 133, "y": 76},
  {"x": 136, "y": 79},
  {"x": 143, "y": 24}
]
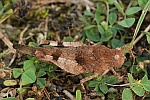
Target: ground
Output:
[{"x": 90, "y": 22}]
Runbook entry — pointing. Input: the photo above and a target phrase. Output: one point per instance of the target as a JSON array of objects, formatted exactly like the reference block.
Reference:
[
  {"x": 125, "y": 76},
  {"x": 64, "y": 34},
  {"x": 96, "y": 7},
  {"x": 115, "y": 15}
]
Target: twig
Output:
[
  {"x": 129, "y": 5},
  {"x": 105, "y": 72},
  {"x": 145, "y": 10},
  {"x": 127, "y": 84},
  {"x": 141, "y": 35},
  {"x": 6, "y": 41},
  {"x": 1, "y": 21},
  {"x": 10, "y": 46},
  {"x": 4, "y": 53},
  {"x": 22, "y": 33},
  {"x": 46, "y": 93},
  {"x": 12, "y": 60},
  {"x": 46, "y": 27},
  {"x": 67, "y": 93}
]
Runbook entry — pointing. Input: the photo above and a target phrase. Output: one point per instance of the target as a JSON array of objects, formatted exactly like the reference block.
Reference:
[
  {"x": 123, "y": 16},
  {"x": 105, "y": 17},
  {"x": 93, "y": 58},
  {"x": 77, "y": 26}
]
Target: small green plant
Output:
[
  {"x": 78, "y": 95},
  {"x": 100, "y": 84},
  {"x": 137, "y": 87},
  {"x": 5, "y": 11},
  {"x": 101, "y": 29},
  {"x": 33, "y": 70}
]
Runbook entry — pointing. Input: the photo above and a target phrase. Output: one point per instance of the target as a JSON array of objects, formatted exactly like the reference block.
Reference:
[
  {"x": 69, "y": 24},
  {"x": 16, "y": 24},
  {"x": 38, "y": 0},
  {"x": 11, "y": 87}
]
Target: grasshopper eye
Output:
[{"x": 116, "y": 57}]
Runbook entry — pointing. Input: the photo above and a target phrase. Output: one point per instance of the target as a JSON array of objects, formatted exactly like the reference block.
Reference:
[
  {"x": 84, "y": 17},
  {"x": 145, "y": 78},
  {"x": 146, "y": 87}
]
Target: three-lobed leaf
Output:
[
  {"x": 116, "y": 43},
  {"x": 28, "y": 77},
  {"x": 127, "y": 22},
  {"x": 93, "y": 35}
]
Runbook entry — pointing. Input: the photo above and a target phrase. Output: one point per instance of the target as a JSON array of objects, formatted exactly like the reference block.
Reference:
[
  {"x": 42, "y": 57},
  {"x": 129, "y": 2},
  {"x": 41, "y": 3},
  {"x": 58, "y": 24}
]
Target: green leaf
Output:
[
  {"x": 93, "y": 83},
  {"x": 99, "y": 8},
  {"x": 127, "y": 63},
  {"x": 112, "y": 18},
  {"x": 132, "y": 10},
  {"x": 13, "y": 1},
  {"x": 127, "y": 94},
  {"x": 116, "y": 43},
  {"x": 28, "y": 77},
  {"x": 89, "y": 26},
  {"x": 6, "y": 5},
  {"x": 103, "y": 88},
  {"x": 104, "y": 25},
  {"x": 144, "y": 79},
  {"x": 100, "y": 29},
  {"x": 118, "y": 7},
  {"x": 1, "y": 6},
  {"x": 41, "y": 82},
  {"x": 141, "y": 59},
  {"x": 113, "y": 30},
  {"x": 106, "y": 36},
  {"x": 17, "y": 72},
  {"x": 145, "y": 83},
  {"x": 142, "y": 3},
  {"x": 97, "y": 17},
  {"x": 112, "y": 80},
  {"x": 111, "y": 1},
  {"x": 138, "y": 90},
  {"x": 33, "y": 44},
  {"x": 10, "y": 82},
  {"x": 127, "y": 22},
  {"x": 10, "y": 11},
  {"x": 10, "y": 98},
  {"x": 112, "y": 96},
  {"x": 21, "y": 90},
  {"x": 109, "y": 79},
  {"x": 29, "y": 65},
  {"x": 131, "y": 79},
  {"x": 135, "y": 69},
  {"x": 93, "y": 35},
  {"x": 78, "y": 95},
  {"x": 41, "y": 73},
  {"x": 68, "y": 39},
  {"x": 88, "y": 13},
  {"x": 99, "y": 92},
  {"x": 119, "y": 27},
  {"x": 148, "y": 37}
]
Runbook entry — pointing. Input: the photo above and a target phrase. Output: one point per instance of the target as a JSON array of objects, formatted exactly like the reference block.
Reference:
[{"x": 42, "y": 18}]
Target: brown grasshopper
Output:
[{"x": 77, "y": 58}]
